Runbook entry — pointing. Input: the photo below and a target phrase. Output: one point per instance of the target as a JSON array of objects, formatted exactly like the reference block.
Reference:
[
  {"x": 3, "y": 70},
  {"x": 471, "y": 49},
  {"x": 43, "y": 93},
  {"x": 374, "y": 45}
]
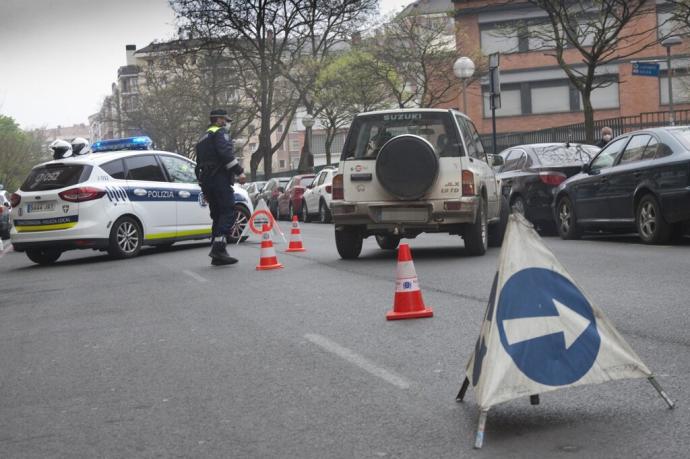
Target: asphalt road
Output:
[{"x": 166, "y": 356}]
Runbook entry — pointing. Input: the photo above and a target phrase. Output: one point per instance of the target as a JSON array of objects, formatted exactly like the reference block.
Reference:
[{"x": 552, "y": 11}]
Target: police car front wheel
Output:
[{"x": 125, "y": 238}]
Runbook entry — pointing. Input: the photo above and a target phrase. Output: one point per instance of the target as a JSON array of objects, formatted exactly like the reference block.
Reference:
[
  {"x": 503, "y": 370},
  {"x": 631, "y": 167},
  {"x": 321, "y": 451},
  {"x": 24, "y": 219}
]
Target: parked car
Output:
[
  {"x": 5, "y": 222},
  {"x": 410, "y": 171},
  {"x": 253, "y": 189},
  {"x": 271, "y": 191},
  {"x": 530, "y": 174},
  {"x": 290, "y": 200},
  {"x": 640, "y": 180},
  {"x": 316, "y": 201}
]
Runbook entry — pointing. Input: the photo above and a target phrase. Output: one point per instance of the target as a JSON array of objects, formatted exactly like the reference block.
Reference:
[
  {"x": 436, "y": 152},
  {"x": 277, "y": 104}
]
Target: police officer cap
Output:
[{"x": 220, "y": 114}]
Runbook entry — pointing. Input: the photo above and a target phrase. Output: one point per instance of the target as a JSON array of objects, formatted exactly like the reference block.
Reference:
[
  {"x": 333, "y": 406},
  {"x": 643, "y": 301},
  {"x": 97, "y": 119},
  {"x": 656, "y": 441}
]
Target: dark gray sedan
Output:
[{"x": 639, "y": 181}]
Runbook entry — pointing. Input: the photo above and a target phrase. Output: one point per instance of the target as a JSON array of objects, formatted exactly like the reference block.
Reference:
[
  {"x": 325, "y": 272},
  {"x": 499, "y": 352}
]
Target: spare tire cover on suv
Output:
[{"x": 407, "y": 166}]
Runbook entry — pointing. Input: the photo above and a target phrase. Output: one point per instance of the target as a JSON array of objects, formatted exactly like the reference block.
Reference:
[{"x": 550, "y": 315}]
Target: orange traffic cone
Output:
[
  {"x": 295, "y": 237},
  {"x": 408, "y": 303},
  {"x": 268, "y": 258}
]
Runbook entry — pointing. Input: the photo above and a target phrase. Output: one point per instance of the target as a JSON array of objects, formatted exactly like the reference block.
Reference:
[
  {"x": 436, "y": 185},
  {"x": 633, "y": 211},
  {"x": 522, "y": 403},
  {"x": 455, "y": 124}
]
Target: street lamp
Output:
[
  {"x": 668, "y": 43},
  {"x": 463, "y": 68},
  {"x": 307, "y": 160}
]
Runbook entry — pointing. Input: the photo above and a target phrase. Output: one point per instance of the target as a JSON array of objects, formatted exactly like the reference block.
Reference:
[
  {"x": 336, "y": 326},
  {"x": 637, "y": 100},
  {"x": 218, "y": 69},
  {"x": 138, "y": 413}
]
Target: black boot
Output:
[{"x": 219, "y": 255}]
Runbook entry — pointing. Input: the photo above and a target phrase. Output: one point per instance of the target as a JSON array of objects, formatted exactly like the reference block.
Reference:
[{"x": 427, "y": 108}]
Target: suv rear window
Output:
[
  {"x": 55, "y": 176},
  {"x": 369, "y": 133}
]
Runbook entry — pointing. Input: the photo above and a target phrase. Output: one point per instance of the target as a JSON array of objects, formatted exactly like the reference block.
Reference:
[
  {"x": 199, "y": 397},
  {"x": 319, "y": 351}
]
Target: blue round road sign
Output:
[{"x": 547, "y": 327}]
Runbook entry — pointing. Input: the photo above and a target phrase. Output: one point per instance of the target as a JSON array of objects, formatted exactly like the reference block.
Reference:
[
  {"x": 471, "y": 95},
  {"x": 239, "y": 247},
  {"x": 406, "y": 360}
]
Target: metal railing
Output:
[{"x": 576, "y": 132}]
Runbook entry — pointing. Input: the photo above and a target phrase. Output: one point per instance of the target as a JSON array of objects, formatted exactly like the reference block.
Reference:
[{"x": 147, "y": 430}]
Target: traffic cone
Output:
[
  {"x": 408, "y": 303},
  {"x": 295, "y": 237},
  {"x": 268, "y": 258}
]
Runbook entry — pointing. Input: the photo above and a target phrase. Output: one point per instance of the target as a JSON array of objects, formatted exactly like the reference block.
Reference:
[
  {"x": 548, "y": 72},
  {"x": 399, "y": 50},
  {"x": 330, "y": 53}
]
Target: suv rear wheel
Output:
[
  {"x": 43, "y": 256},
  {"x": 387, "y": 241},
  {"x": 126, "y": 238},
  {"x": 497, "y": 230},
  {"x": 476, "y": 235},
  {"x": 348, "y": 241}
]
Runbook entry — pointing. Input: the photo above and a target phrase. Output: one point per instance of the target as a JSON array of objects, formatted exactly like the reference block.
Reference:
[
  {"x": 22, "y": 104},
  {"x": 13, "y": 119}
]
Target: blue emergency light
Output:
[{"x": 130, "y": 143}]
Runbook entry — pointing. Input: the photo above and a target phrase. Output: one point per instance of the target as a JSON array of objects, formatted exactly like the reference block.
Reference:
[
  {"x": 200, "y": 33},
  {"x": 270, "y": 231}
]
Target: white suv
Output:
[
  {"x": 409, "y": 171},
  {"x": 115, "y": 201}
]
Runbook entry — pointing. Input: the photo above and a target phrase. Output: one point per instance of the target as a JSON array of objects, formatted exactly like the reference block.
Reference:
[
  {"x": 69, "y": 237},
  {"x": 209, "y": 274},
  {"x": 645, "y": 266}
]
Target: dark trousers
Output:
[{"x": 221, "y": 201}]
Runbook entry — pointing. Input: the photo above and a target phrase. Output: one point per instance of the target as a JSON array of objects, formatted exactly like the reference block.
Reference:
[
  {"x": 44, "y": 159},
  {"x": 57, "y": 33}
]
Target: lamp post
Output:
[
  {"x": 463, "y": 68},
  {"x": 668, "y": 43},
  {"x": 307, "y": 158}
]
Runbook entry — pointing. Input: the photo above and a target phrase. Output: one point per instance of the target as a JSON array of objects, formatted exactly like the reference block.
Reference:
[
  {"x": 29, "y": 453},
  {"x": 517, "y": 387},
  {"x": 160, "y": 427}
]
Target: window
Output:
[
  {"x": 115, "y": 169},
  {"x": 540, "y": 37},
  {"x": 668, "y": 26},
  {"x": 604, "y": 97},
  {"x": 635, "y": 149},
  {"x": 179, "y": 170},
  {"x": 475, "y": 149},
  {"x": 681, "y": 88},
  {"x": 144, "y": 168},
  {"x": 511, "y": 103},
  {"x": 651, "y": 150},
  {"x": 608, "y": 155},
  {"x": 499, "y": 38},
  {"x": 513, "y": 161},
  {"x": 550, "y": 99},
  {"x": 281, "y": 163},
  {"x": 54, "y": 176}
]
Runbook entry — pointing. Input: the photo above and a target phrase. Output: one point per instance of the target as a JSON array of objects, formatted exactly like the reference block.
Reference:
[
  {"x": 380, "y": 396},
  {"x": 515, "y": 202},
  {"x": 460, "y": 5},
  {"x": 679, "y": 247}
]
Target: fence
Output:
[{"x": 576, "y": 132}]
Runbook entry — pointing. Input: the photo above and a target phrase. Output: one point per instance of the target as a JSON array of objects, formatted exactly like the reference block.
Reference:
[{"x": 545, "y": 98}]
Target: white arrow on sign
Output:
[{"x": 568, "y": 322}]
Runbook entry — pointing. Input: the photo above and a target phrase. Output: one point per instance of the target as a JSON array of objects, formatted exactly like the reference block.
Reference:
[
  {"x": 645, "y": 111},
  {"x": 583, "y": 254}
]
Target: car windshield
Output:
[
  {"x": 369, "y": 133},
  {"x": 306, "y": 181},
  {"x": 552, "y": 155},
  {"x": 55, "y": 176},
  {"x": 682, "y": 134}
]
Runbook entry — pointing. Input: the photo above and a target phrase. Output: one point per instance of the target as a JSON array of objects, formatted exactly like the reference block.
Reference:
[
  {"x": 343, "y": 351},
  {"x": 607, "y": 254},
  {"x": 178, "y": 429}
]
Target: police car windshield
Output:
[
  {"x": 55, "y": 176},
  {"x": 369, "y": 133}
]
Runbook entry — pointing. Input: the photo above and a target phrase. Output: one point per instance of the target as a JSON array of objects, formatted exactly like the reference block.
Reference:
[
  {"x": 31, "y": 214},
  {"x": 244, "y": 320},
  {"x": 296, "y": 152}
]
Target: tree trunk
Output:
[
  {"x": 589, "y": 117},
  {"x": 330, "y": 136}
]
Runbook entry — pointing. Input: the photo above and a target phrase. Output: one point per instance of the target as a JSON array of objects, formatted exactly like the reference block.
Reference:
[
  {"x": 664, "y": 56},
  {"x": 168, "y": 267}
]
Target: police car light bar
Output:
[{"x": 129, "y": 143}]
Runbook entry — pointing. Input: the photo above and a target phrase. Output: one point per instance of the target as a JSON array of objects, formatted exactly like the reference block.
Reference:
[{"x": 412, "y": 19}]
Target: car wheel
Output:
[
  {"x": 567, "y": 221},
  {"x": 518, "y": 205},
  {"x": 497, "y": 230},
  {"x": 651, "y": 226},
  {"x": 324, "y": 213},
  {"x": 43, "y": 256},
  {"x": 476, "y": 235},
  {"x": 348, "y": 241},
  {"x": 305, "y": 212},
  {"x": 242, "y": 217},
  {"x": 126, "y": 238},
  {"x": 387, "y": 241}
]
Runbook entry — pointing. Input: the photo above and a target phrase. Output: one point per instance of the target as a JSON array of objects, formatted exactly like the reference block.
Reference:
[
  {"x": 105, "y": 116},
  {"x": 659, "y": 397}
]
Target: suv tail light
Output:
[
  {"x": 338, "y": 187},
  {"x": 552, "y": 178},
  {"x": 15, "y": 199},
  {"x": 468, "y": 183},
  {"x": 81, "y": 194}
]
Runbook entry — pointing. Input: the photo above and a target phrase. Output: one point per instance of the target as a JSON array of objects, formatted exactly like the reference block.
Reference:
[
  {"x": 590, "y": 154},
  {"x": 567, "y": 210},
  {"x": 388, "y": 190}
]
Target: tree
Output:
[
  {"x": 414, "y": 55},
  {"x": 585, "y": 35},
  {"x": 346, "y": 87},
  {"x": 21, "y": 150}
]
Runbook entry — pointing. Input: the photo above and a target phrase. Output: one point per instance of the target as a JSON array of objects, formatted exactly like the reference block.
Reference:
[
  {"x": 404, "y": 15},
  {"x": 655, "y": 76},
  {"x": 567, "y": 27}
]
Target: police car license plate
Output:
[{"x": 34, "y": 207}]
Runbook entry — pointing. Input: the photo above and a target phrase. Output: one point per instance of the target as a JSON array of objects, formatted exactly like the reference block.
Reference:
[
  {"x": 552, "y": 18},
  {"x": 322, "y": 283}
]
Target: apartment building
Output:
[{"x": 535, "y": 92}]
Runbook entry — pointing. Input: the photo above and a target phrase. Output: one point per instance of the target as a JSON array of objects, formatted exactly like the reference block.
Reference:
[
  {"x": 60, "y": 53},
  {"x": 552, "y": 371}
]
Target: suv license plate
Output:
[
  {"x": 405, "y": 214},
  {"x": 33, "y": 207}
]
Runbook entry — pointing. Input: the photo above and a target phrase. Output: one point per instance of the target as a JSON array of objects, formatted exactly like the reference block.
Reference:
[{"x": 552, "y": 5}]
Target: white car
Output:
[
  {"x": 316, "y": 201},
  {"x": 116, "y": 201}
]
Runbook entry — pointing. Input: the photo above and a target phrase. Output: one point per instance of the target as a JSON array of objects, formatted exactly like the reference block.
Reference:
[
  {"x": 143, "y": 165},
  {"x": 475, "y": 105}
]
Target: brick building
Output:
[{"x": 535, "y": 92}]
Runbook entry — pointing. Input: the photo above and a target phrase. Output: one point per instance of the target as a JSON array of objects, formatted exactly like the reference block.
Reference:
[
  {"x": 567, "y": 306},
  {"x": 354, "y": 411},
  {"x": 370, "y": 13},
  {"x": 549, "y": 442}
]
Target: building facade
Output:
[{"x": 535, "y": 91}]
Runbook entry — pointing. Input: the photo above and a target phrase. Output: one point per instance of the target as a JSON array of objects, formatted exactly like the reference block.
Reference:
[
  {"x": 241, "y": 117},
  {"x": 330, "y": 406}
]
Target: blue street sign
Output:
[
  {"x": 645, "y": 69},
  {"x": 547, "y": 327}
]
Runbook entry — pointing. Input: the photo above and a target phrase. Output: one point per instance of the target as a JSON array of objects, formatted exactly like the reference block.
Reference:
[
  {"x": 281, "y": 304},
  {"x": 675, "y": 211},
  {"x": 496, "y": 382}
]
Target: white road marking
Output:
[
  {"x": 358, "y": 360},
  {"x": 195, "y": 276}
]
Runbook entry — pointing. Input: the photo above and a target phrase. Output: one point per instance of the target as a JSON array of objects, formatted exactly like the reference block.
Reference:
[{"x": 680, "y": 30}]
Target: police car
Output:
[{"x": 117, "y": 198}]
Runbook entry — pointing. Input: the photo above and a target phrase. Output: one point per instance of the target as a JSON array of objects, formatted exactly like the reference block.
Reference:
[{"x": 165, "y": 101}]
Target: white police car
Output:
[{"x": 117, "y": 198}]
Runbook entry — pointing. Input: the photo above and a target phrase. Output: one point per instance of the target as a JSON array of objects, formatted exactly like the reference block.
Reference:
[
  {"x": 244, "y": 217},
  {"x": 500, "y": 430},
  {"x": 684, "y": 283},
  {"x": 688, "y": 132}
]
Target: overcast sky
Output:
[{"x": 58, "y": 58}]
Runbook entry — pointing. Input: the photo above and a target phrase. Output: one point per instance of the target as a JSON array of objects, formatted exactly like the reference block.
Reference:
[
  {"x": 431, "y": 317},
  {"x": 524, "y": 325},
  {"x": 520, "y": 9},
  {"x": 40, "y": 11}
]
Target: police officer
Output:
[{"x": 216, "y": 168}]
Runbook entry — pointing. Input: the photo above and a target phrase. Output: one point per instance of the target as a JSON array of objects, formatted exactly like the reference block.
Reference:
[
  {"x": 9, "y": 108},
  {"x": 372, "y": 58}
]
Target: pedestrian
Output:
[
  {"x": 606, "y": 136},
  {"x": 216, "y": 169}
]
